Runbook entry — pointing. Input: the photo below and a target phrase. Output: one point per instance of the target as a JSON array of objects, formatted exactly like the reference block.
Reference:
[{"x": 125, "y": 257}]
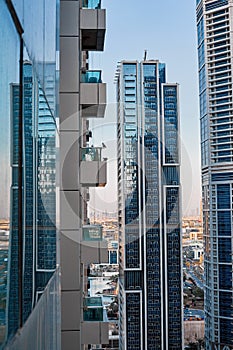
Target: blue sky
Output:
[{"x": 167, "y": 29}]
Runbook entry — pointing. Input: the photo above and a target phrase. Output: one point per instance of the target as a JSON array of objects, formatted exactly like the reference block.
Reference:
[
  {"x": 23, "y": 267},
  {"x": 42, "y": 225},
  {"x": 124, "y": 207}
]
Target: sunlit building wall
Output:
[{"x": 215, "y": 55}]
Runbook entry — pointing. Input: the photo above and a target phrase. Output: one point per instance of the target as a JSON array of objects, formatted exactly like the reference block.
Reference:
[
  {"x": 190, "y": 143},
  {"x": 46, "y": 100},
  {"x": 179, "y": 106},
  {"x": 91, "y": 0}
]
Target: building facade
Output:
[
  {"x": 150, "y": 293},
  {"x": 82, "y": 96},
  {"x": 28, "y": 168},
  {"x": 39, "y": 41},
  {"x": 38, "y": 202},
  {"x": 215, "y": 55}
]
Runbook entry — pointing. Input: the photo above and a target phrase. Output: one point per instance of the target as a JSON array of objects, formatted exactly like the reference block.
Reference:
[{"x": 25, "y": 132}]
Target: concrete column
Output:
[{"x": 70, "y": 198}]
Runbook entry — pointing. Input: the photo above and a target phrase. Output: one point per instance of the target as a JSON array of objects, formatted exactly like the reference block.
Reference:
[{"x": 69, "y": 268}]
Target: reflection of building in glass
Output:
[
  {"x": 149, "y": 213},
  {"x": 214, "y": 29},
  {"x": 38, "y": 202},
  {"x": 4, "y": 240},
  {"x": 28, "y": 84},
  {"x": 113, "y": 255}
]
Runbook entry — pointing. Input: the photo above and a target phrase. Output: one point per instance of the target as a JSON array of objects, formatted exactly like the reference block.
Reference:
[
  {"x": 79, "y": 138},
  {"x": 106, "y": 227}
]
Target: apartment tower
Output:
[
  {"x": 82, "y": 96},
  {"x": 215, "y": 64},
  {"x": 150, "y": 293}
]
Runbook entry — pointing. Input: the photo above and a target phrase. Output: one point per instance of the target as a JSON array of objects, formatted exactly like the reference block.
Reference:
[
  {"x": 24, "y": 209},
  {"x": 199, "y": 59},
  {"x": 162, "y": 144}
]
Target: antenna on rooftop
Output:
[{"x": 145, "y": 55}]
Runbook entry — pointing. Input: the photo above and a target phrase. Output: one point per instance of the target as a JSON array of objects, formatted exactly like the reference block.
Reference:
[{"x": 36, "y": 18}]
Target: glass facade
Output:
[
  {"x": 42, "y": 328},
  {"x": 214, "y": 32},
  {"x": 9, "y": 71},
  {"x": 28, "y": 43},
  {"x": 149, "y": 215}
]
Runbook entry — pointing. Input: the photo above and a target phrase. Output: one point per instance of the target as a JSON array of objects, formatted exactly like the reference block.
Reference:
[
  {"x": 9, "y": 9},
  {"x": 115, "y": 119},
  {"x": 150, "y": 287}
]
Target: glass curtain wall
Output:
[
  {"x": 28, "y": 158},
  {"x": 9, "y": 82}
]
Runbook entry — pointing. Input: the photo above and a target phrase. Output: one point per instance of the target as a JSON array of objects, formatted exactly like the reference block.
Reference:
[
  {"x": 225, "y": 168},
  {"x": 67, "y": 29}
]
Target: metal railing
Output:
[
  {"x": 91, "y": 76},
  {"x": 43, "y": 327},
  {"x": 92, "y": 4},
  {"x": 91, "y": 154}
]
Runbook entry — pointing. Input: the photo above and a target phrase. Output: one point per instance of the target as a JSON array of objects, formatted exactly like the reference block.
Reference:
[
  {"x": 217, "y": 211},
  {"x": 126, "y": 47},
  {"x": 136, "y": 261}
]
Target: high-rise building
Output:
[
  {"x": 38, "y": 202},
  {"x": 28, "y": 112},
  {"x": 40, "y": 40},
  {"x": 215, "y": 59},
  {"x": 82, "y": 97},
  {"x": 150, "y": 293}
]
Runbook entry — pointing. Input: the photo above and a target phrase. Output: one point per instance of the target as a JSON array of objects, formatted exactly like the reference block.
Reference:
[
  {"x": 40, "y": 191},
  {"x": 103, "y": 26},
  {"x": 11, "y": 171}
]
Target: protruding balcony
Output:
[
  {"x": 92, "y": 95},
  {"x": 95, "y": 322},
  {"x": 94, "y": 248},
  {"x": 93, "y": 170},
  {"x": 92, "y": 4},
  {"x": 93, "y": 310},
  {"x": 92, "y": 233},
  {"x": 92, "y": 25}
]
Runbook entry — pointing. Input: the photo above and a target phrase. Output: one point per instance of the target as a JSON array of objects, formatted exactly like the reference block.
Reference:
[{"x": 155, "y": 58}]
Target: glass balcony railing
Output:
[
  {"x": 92, "y": 233},
  {"x": 91, "y": 154},
  {"x": 93, "y": 309},
  {"x": 42, "y": 330},
  {"x": 92, "y": 4},
  {"x": 91, "y": 76}
]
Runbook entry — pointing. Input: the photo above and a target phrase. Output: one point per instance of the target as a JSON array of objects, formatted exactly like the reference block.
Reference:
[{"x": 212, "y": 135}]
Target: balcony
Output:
[
  {"x": 93, "y": 310},
  {"x": 42, "y": 330},
  {"x": 94, "y": 248},
  {"x": 93, "y": 170},
  {"x": 94, "y": 329},
  {"x": 92, "y": 95},
  {"x": 92, "y": 25},
  {"x": 92, "y": 233},
  {"x": 92, "y": 4},
  {"x": 91, "y": 76}
]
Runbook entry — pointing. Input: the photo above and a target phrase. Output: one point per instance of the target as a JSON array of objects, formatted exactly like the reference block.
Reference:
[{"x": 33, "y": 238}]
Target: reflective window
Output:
[
  {"x": 200, "y": 31},
  {"x": 9, "y": 82},
  {"x": 223, "y": 196},
  {"x": 224, "y": 223},
  {"x": 33, "y": 102}
]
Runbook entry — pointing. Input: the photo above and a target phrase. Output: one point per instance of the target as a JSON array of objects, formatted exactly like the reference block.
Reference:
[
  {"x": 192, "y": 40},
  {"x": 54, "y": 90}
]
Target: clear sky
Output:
[{"x": 167, "y": 29}]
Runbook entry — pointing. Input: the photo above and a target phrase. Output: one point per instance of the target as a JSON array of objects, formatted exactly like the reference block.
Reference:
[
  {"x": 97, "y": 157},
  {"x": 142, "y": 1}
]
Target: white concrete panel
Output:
[
  {"x": 93, "y": 173},
  {"x": 69, "y": 24},
  {"x": 70, "y": 210},
  {"x": 89, "y": 94},
  {"x": 102, "y": 19},
  {"x": 94, "y": 252},
  {"x": 69, "y": 160},
  {"x": 70, "y": 310},
  {"x": 93, "y": 94},
  {"x": 69, "y": 112},
  {"x": 69, "y": 64},
  {"x": 88, "y": 19},
  {"x": 70, "y": 340},
  {"x": 102, "y": 94},
  {"x": 94, "y": 333},
  {"x": 104, "y": 252},
  {"x": 70, "y": 260}
]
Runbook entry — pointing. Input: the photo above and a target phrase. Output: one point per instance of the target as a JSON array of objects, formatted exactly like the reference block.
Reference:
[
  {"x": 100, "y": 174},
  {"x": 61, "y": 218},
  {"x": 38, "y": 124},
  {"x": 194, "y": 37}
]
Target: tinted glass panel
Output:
[{"x": 9, "y": 73}]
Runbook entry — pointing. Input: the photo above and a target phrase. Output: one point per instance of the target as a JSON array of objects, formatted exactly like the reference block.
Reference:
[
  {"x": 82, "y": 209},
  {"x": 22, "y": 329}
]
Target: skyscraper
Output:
[
  {"x": 30, "y": 49},
  {"x": 82, "y": 96},
  {"x": 150, "y": 294},
  {"x": 215, "y": 55},
  {"x": 28, "y": 164},
  {"x": 38, "y": 200}
]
